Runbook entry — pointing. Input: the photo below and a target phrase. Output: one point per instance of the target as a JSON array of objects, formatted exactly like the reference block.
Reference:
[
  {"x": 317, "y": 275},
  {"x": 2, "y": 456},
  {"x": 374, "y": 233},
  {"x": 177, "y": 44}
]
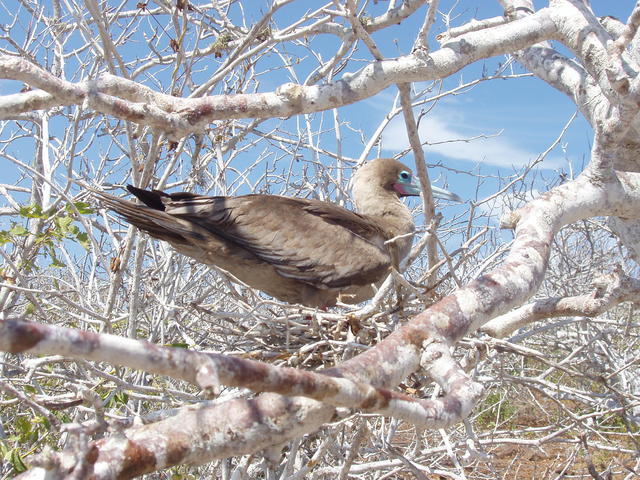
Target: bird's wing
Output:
[
  {"x": 152, "y": 220},
  {"x": 310, "y": 241}
]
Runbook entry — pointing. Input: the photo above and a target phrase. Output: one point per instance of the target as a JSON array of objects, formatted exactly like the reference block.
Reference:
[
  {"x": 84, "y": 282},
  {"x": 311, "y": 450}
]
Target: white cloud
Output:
[{"x": 438, "y": 128}]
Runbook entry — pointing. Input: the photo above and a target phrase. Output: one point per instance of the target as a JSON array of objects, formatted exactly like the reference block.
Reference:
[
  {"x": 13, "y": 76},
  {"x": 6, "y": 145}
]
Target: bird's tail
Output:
[{"x": 149, "y": 217}]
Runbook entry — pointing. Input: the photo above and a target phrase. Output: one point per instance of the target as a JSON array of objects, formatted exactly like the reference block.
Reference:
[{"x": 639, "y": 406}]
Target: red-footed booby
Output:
[{"x": 297, "y": 250}]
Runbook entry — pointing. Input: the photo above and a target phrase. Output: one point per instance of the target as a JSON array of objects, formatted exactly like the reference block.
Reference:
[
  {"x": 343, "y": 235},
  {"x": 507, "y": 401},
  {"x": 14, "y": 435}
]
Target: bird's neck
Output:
[{"x": 390, "y": 213}]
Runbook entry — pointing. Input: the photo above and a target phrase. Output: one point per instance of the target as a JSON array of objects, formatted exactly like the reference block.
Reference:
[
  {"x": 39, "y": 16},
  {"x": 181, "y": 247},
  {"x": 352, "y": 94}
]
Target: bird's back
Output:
[{"x": 297, "y": 250}]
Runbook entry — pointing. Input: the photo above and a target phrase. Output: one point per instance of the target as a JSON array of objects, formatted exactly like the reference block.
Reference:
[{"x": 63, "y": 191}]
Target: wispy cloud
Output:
[{"x": 448, "y": 136}]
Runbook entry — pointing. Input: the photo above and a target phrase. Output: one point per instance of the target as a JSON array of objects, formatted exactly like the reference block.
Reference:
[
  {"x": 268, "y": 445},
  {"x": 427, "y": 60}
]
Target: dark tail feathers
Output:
[
  {"x": 154, "y": 198},
  {"x": 151, "y": 198}
]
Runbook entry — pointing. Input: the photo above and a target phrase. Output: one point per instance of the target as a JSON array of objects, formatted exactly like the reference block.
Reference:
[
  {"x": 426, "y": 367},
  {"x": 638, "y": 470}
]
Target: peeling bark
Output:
[{"x": 603, "y": 82}]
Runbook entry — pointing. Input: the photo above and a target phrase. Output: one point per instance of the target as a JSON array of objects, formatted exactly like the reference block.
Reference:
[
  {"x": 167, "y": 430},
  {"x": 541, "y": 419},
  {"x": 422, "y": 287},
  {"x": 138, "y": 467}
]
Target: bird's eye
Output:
[{"x": 405, "y": 175}]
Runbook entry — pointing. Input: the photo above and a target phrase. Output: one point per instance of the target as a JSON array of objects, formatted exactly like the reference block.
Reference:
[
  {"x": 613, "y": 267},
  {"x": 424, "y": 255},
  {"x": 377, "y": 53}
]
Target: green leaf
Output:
[
  {"x": 57, "y": 263},
  {"x": 22, "y": 425},
  {"x": 63, "y": 222},
  {"x": 41, "y": 422},
  {"x": 19, "y": 231},
  {"x": 44, "y": 238},
  {"x": 83, "y": 239},
  {"x": 115, "y": 399},
  {"x": 83, "y": 208},
  {"x": 5, "y": 237},
  {"x": 16, "y": 461},
  {"x": 121, "y": 398},
  {"x": 32, "y": 211}
]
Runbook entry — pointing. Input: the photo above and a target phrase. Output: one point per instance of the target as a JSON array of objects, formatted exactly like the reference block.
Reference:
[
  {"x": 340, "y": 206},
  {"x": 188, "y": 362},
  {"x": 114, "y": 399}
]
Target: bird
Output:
[{"x": 298, "y": 250}]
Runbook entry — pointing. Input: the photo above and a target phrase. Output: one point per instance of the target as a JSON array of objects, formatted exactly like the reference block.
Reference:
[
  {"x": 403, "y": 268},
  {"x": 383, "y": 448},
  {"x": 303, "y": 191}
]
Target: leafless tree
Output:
[{"x": 495, "y": 353}]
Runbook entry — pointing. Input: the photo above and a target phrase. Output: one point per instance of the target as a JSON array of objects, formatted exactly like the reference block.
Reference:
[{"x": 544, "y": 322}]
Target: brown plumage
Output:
[{"x": 297, "y": 250}]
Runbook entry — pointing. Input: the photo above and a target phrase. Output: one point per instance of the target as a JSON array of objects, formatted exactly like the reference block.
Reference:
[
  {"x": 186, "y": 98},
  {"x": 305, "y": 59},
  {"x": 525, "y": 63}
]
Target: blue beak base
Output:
[{"x": 407, "y": 189}]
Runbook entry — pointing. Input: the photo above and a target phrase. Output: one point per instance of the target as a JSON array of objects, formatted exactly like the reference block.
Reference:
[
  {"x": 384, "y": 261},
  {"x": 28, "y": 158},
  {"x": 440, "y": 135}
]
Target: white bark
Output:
[{"x": 601, "y": 79}]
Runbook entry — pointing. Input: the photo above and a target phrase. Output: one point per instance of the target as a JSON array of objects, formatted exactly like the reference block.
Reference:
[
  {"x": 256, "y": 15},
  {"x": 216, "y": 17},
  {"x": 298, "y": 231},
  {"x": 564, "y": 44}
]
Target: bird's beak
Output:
[
  {"x": 443, "y": 194},
  {"x": 412, "y": 189},
  {"x": 407, "y": 188}
]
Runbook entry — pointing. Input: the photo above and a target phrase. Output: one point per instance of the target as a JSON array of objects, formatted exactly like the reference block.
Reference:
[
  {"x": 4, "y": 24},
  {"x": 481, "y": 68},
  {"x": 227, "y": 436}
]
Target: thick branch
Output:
[
  {"x": 610, "y": 290},
  {"x": 245, "y": 426},
  {"x": 180, "y": 116},
  {"x": 209, "y": 371}
]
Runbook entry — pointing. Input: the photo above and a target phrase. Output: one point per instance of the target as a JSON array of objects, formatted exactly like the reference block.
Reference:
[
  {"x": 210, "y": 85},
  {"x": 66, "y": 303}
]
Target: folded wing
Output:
[{"x": 308, "y": 241}]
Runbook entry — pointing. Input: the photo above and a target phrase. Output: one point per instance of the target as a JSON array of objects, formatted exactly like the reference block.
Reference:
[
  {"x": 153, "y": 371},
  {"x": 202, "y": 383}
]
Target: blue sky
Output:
[
  {"x": 522, "y": 117},
  {"x": 519, "y": 117}
]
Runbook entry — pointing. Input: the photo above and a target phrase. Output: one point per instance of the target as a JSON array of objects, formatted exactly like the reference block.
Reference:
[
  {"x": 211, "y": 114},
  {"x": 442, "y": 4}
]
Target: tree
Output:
[{"x": 220, "y": 99}]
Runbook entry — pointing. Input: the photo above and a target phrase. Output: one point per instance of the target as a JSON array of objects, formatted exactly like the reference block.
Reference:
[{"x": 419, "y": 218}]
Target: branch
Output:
[
  {"x": 609, "y": 290},
  {"x": 421, "y": 167},
  {"x": 179, "y": 116},
  {"x": 605, "y": 63},
  {"x": 210, "y": 370},
  {"x": 240, "y": 426}
]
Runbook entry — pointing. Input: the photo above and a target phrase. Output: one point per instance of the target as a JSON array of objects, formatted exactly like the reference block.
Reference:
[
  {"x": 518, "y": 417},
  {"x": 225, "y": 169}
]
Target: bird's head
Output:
[
  {"x": 388, "y": 175},
  {"x": 392, "y": 176}
]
